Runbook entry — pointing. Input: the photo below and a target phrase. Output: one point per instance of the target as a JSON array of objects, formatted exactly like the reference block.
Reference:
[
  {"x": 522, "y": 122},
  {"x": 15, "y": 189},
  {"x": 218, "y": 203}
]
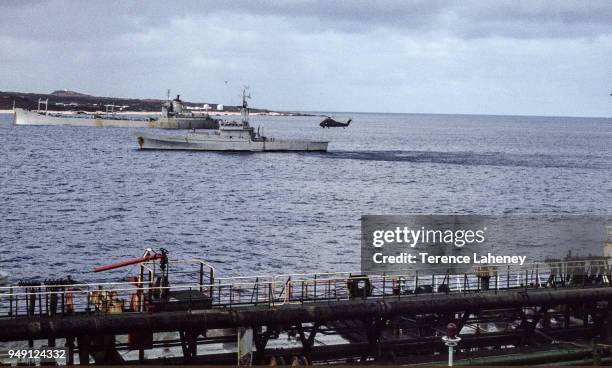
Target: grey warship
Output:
[{"x": 230, "y": 136}]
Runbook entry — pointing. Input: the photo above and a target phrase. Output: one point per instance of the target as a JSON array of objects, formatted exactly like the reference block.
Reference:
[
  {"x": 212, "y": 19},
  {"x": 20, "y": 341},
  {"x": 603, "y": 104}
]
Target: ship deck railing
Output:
[{"x": 272, "y": 291}]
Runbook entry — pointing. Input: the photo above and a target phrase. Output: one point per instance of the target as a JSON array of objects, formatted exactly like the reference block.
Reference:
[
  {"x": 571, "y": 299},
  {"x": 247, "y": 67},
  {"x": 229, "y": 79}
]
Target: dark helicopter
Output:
[{"x": 331, "y": 123}]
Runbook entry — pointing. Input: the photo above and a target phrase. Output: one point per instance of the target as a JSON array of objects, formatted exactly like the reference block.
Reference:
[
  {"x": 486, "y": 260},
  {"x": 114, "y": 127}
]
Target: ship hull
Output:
[
  {"x": 162, "y": 142},
  {"x": 27, "y": 117}
]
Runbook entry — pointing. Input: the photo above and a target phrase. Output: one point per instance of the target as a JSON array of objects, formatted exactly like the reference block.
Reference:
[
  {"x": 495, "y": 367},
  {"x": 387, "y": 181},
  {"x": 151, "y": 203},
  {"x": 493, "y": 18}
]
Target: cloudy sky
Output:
[{"x": 482, "y": 57}]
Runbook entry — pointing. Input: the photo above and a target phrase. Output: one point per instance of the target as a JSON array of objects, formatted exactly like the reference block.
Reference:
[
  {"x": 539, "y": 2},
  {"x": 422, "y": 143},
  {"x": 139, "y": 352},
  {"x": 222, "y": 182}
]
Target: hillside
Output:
[
  {"x": 68, "y": 93},
  {"x": 64, "y": 100}
]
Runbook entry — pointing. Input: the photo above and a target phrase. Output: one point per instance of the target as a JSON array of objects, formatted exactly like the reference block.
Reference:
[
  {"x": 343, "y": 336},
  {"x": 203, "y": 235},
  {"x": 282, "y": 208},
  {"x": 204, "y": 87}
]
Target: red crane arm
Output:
[{"x": 129, "y": 262}]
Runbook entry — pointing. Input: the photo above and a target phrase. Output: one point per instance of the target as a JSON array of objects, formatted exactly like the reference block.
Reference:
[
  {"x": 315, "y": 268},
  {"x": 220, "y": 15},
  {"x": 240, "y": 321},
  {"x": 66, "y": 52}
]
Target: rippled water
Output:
[{"x": 75, "y": 197}]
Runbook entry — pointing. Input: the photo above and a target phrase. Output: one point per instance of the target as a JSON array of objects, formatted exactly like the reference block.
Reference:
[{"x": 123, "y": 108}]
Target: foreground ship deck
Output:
[{"x": 287, "y": 318}]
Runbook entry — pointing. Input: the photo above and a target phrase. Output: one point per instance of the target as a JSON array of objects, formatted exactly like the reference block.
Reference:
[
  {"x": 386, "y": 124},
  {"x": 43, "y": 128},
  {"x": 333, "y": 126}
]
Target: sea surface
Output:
[{"x": 72, "y": 198}]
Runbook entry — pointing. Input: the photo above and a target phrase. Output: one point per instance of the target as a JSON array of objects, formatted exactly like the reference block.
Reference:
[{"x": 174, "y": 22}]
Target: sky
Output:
[{"x": 467, "y": 57}]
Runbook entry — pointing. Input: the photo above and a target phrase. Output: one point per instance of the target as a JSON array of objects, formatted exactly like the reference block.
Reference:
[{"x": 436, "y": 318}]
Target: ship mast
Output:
[{"x": 244, "y": 110}]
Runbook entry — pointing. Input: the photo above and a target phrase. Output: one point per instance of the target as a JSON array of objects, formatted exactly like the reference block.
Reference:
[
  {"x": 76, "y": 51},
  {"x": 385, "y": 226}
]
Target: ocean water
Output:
[{"x": 72, "y": 198}]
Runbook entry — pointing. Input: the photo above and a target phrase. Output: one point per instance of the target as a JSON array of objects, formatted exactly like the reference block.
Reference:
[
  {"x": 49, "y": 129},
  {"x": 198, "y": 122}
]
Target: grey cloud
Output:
[
  {"x": 70, "y": 19},
  {"x": 535, "y": 57}
]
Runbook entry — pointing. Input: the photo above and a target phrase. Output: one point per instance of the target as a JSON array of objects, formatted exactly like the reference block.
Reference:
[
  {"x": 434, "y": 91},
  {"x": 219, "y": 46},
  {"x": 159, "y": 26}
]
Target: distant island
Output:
[{"x": 66, "y": 100}]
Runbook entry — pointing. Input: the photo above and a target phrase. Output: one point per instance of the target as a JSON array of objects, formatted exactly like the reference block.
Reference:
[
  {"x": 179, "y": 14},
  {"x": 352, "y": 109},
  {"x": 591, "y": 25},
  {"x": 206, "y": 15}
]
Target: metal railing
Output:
[{"x": 200, "y": 289}]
